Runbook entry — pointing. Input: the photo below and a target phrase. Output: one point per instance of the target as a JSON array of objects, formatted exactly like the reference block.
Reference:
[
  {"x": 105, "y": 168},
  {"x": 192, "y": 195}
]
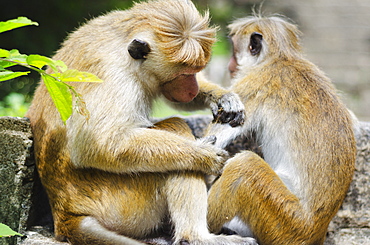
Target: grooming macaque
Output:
[
  {"x": 116, "y": 178},
  {"x": 304, "y": 130}
]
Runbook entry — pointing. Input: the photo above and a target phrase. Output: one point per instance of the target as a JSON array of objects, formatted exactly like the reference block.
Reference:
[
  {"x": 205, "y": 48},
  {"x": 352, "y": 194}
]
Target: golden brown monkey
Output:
[
  {"x": 116, "y": 178},
  {"x": 305, "y": 132}
]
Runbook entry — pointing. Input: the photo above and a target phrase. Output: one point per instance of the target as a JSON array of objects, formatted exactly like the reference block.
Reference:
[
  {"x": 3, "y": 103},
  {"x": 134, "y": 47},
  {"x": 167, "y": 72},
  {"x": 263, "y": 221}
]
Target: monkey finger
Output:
[
  {"x": 221, "y": 116},
  {"x": 215, "y": 111},
  {"x": 234, "y": 119},
  {"x": 226, "y": 116},
  {"x": 238, "y": 120},
  {"x": 223, "y": 156}
]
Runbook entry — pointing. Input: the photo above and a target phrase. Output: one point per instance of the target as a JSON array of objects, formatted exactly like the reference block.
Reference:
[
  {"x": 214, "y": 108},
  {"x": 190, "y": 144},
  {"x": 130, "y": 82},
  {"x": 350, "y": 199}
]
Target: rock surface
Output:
[
  {"x": 351, "y": 225},
  {"x": 16, "y": 174}
]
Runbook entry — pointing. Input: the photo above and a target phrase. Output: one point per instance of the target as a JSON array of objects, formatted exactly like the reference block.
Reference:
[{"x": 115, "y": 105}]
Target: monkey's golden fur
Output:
[
  {"x": 117, "y": 177},
  {"x": 306, "y": 136}
]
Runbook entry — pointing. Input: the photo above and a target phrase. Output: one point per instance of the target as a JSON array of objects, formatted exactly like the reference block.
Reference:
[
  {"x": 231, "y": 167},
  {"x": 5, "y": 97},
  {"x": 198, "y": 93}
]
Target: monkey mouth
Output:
[
  {"x": 169, "y": 97},
  {"x": 172, "y": 99}
]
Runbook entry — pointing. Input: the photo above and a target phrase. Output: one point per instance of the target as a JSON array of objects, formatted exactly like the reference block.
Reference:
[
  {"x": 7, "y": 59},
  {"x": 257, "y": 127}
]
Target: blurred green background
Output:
[{"x": 57, "y": 18}]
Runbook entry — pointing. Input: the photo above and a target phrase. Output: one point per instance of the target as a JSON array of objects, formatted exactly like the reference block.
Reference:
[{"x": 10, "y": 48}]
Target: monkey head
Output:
[
  {"x": 254, "y": 41},
  {"x": 172, "y": 50}
]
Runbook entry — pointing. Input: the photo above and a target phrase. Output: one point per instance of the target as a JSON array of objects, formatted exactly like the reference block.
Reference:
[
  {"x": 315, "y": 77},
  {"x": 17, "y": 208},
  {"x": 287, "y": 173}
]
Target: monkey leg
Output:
[
  {"x": 187, "y": 199},
  {"x": 251, "y": 191},
  {"x": 175, "y": 125},
  {"x": 88, "y": 230},
  {"x": 110, "y": 208},
  {"x": 187, "y": 204}
]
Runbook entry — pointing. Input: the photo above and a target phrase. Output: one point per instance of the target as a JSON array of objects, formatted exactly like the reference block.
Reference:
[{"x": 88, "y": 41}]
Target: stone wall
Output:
[
  {"x": 18, "y": 181},
  {"x": 16, "y": 174}
]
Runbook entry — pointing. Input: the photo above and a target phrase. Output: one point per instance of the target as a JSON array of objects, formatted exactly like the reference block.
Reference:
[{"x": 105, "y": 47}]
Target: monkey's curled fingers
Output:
[
  {"x": 216, "y": 166},
  {"x": 228, "y": 109}
]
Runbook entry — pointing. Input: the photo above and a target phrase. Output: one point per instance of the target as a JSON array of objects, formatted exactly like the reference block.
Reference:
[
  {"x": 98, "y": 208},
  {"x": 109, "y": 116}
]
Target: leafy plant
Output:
[{"x": 61, "y": 93}]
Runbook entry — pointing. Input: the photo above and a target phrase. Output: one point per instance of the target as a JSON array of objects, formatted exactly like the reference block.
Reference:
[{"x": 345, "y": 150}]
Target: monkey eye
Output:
[{"x": 255, "y": 45}]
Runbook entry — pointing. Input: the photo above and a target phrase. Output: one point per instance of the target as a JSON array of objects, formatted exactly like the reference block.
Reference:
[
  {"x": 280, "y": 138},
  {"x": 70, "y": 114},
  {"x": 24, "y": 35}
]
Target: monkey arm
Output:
[
  {"x": 225, "y": 105},
  {"x": 144, "y": 150},
  {"x": 224, "y": 133}
]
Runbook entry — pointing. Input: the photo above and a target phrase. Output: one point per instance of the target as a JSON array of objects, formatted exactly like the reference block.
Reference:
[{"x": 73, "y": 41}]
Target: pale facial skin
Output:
[{"x": 233, "y": 64}]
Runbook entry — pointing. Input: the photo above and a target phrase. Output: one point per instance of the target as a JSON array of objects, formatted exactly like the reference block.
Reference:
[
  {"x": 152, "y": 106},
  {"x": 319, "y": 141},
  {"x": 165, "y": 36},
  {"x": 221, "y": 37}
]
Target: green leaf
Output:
[
  {"x": 7, "y": 75},
  {"x": 4, "y": 53},
  {"x": 15, "y": 23},
  {"x": 5, "y": 64},
  {"x": 72, "y": 75},
  {"x": 60, "y": 95},
  {"x": 40, "y": 61},
  {"x": 14, "y": 55},
  {"x": 7, "y": 232}
]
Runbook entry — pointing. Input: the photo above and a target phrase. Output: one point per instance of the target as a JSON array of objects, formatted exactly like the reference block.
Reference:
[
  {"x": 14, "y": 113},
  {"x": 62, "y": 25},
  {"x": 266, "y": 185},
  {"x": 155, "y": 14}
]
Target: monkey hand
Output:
[
  {"x": 228, "y": 109},
  {"x": 217, "y": 155}
]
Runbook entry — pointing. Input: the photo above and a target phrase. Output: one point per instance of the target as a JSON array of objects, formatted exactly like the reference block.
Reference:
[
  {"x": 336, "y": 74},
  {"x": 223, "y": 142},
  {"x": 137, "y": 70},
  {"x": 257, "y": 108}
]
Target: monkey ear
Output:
[
  {"x": 138, "y": 49},
  {"x": 255, "y": 44}
]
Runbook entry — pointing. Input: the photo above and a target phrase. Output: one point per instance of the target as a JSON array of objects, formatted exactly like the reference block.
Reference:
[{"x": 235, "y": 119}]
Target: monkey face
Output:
[
  {"x": 245, "y": 55},
  {"x": 177, "y": 82}
]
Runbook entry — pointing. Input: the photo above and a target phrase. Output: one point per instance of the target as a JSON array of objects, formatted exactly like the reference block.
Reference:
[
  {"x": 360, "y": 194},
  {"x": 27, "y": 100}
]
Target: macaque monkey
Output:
[
  {"x": 117, "y": 177},
  {"x": 305, "y": 133}
]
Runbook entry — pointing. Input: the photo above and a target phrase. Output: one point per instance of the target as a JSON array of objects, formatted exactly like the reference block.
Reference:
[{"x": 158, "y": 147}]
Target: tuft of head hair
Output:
[
  {"x": 181, "y": 32},
  {"x": 281, "y": 36}
]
